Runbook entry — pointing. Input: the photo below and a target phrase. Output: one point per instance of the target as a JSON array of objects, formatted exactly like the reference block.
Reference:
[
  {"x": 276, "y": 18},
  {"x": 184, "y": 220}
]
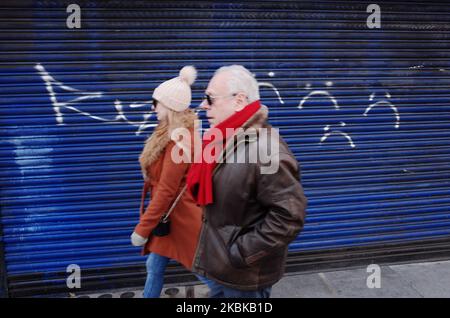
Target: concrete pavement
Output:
[{"x": 431, "y": 279}]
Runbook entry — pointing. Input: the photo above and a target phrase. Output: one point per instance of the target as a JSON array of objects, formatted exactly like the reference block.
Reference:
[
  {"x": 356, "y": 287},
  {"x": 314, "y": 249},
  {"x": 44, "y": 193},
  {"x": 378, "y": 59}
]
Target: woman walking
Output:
[{"x": 165, "y": 179}]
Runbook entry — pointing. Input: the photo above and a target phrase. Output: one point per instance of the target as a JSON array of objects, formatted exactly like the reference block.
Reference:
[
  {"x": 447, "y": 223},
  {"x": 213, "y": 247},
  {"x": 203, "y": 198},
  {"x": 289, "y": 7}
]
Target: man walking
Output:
[{"x": 252, "y": 210}]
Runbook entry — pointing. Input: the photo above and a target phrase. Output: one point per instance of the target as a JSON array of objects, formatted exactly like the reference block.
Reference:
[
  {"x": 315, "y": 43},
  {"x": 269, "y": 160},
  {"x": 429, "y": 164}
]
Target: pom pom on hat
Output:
[
  {"x": 188, "y": 74},
  {"x": 175, "y": 93}
]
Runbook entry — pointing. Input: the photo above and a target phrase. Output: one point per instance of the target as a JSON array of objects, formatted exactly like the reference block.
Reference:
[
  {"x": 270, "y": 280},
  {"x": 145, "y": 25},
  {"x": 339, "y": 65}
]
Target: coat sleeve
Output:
[
  {"x": 281, "y": 194},
  {"x": 167, "y": 189}
]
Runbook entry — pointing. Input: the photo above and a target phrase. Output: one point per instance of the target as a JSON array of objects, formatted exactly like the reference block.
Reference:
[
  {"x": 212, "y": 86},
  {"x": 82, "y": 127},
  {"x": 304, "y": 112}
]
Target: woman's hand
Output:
[{"x": 138, "y": 240}]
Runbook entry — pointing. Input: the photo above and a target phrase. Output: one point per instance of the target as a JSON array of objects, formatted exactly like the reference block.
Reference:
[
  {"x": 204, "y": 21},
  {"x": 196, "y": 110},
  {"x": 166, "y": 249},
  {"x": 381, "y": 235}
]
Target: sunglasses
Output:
[
  {"x": 210, "y": 99},
  {"x": 154, "y": 104}
]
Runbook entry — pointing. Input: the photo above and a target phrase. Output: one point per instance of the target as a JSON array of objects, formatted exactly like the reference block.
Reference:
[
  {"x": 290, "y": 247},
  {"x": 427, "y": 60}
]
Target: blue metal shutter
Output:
[{"x": 366, "y": 112}]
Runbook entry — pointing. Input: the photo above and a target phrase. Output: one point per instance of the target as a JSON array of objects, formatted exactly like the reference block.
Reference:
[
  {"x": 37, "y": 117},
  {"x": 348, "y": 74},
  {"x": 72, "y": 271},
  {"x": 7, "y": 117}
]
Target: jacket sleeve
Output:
[
  {"x": 282, "y": 195},
  {"x": 167, "y": 190}
]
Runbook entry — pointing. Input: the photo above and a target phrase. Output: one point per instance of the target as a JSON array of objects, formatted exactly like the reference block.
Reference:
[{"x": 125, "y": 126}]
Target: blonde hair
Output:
[{"x": 161, "y": 136}]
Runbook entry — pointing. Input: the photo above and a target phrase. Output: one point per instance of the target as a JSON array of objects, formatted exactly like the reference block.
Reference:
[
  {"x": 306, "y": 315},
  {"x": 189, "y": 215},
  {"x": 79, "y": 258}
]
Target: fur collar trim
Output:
[{"x": 157, "y": 142}]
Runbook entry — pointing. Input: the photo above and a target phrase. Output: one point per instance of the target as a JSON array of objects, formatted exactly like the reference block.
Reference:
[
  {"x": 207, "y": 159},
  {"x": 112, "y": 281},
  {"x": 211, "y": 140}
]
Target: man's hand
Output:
[{"x": 138, "y": 240}]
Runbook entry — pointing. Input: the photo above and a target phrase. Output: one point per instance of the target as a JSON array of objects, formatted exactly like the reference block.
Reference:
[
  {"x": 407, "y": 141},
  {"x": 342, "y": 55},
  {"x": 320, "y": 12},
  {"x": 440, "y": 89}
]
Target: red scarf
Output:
[{"x": 199, "y": 177}]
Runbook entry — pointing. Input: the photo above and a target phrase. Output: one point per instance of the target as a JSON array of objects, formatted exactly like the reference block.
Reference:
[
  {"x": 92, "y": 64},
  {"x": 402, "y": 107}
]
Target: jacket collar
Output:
[
  {"x": 255, "y": 122},
  {"x": 159, "y": 139}
]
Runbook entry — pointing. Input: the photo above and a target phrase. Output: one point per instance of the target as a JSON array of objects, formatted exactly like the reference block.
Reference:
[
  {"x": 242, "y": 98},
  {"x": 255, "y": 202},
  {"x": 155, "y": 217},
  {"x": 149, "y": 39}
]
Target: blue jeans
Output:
[
  {"x": 156, "y": 266},
  {"x": 217, "y": 290}
]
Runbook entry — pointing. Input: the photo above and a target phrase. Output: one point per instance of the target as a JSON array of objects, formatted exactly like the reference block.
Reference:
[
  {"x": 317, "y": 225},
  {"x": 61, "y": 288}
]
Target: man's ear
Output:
[{"x": 241, "y": 101}]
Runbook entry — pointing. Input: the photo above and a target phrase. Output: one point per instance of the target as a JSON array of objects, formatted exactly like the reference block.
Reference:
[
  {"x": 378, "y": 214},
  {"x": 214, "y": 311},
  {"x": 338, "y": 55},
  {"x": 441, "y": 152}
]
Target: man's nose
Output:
[{"x": 203, "y": 105}]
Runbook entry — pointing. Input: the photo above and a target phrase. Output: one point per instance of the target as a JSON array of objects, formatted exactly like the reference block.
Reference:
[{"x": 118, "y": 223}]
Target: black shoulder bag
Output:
[{"x": 163, "y": 227}]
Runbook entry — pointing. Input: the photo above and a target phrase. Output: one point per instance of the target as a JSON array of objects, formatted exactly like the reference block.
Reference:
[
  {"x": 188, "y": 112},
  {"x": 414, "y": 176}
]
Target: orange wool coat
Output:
[{"x": 166, "y": 179}]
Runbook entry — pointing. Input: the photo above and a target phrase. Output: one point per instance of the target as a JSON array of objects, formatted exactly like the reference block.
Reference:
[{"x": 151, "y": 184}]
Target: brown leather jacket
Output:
[{"x": 246, "y": 231}]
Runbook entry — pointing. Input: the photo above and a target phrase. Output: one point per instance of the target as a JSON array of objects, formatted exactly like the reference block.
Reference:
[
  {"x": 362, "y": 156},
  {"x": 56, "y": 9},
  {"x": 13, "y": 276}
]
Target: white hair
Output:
[{"x": 241, "y": 80}]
